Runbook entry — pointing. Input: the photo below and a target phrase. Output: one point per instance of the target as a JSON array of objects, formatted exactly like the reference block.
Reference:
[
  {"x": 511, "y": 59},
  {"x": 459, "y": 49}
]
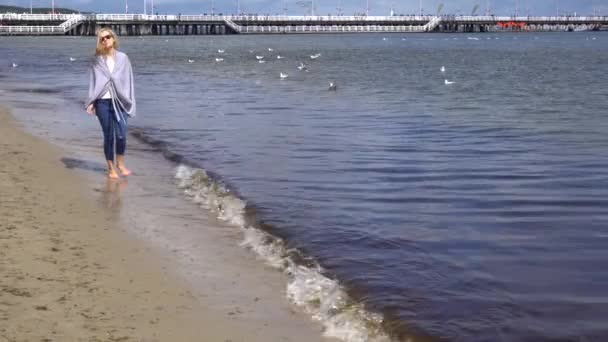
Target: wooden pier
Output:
[{"x": 142, "y": 24}]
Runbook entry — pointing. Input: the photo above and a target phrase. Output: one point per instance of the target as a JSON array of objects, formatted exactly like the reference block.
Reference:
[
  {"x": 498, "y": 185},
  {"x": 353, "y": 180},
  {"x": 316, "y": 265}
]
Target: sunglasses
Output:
[{"x": 105, "y": 38}]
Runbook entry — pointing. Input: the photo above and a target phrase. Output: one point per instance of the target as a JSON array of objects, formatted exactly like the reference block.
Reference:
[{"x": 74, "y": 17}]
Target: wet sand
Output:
[{"x": 69, "y": 272}]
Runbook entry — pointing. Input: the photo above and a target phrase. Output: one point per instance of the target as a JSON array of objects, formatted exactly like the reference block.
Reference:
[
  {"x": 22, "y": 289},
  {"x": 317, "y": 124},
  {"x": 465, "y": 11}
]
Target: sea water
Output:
[{"x": 397, "y": 204}]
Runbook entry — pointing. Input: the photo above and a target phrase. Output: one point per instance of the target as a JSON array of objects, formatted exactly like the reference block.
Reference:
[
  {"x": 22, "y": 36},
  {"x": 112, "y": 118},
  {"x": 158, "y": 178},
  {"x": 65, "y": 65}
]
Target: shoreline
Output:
[{"x": 72, "y": 271}]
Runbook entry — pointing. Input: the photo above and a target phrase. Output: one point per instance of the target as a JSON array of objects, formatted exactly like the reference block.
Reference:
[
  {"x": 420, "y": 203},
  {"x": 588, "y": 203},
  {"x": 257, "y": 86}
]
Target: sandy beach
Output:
[{"x": 69, "y": 273}]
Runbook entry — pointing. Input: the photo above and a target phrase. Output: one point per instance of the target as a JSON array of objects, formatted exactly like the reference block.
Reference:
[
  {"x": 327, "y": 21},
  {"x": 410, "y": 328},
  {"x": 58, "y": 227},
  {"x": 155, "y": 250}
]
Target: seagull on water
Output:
[
  {"x": 280, "y": 57},
  {"x": 221, "y": 51},
  {"x": 332, "y": 86},
  {"x": 302, "y": 67},
  {"x": 448, "y": 82},
  {"x": 442, "y": 68},
  {"x": 270, "y": 49},
  {"x": 72, "y": 59},
  {"x": 262, "y": 61},
  {"x": 219, "y": 59},
  {"x": 315, "y": 56},
  {"x": 283, "y": 75},
  {"x": 259, "y": 57},
  {"x": 15, "y": 65}
]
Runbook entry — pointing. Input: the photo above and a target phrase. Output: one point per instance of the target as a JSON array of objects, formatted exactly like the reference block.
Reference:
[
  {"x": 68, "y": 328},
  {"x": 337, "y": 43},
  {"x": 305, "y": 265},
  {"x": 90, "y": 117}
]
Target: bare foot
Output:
[
  {"x": 124, "y": 171},
  {"x": 112, "y": 174}
]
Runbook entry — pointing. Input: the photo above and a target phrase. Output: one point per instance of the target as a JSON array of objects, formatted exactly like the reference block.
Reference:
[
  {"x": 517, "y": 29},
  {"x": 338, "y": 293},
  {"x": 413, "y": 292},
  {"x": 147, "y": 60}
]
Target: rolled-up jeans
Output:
[{"x": 112, "y": 128}]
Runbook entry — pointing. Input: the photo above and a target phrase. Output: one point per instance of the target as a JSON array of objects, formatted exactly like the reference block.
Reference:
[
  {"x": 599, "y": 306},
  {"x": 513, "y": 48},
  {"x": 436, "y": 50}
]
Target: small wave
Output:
[
  {"x": 308, "y": 285},
  {"x": 36, "y": 90}
]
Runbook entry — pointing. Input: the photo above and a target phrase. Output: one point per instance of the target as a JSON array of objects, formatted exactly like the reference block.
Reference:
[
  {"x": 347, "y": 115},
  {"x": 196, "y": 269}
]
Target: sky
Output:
[{"x": 324, "y": 7}]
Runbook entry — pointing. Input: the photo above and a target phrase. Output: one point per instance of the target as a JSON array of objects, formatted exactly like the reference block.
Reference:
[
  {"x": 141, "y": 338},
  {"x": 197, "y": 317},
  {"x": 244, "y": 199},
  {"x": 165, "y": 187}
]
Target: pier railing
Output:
[
  {"x": 35, "y": 17},
  {"x": 329, "y": 29},
  {"x": 281, "y": 18},
  {"x": 432, "y": 24},
  {"x": 11, "y": 23},
  {"x": 71, "y": 20},
  {"x": 32, "y": 30},
  {"x": 217, "y": 18},
  {"x": 232, "y": 25}
]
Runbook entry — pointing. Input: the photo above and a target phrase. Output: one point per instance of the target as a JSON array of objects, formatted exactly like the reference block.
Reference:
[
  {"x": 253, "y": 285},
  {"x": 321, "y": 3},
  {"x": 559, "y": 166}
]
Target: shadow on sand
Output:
[{"x": 72, "y": 163}]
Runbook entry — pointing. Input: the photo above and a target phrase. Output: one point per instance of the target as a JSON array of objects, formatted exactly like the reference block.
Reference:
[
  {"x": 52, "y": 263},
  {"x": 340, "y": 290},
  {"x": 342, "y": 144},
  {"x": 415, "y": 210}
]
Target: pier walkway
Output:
[{"x": 142, "y": 24}]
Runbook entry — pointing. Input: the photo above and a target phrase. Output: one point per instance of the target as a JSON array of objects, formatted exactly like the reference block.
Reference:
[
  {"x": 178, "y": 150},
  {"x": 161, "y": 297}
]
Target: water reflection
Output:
[{"x": 111, "y": 195}]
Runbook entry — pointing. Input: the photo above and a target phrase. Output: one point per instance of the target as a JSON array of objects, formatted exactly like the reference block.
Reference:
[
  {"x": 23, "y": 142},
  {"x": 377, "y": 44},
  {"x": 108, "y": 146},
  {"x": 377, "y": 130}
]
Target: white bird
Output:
[
  {"x": 219, "y": 59},
  {"x": 72, "y": 59},
  {"x": 315, "y": 56},
  {"x": 332, "y": 86},
  {"x": 270, "y": 49},
  {"x": 280, "y": 57},
  {"x": 15, "y": 65},
  {"x": 191, "y": 61},
  {"x": 283, "y": 76},
  {"x": 259, "y": 57},
  {"x": 221, "y": 51},
  {"x": 262, "y": 61},
  {"x": 448, "y": 82},
  {"x": 302, "y": 67},
  {"x": 384, "y": 38},
  {"x": 442, "y": 68}
]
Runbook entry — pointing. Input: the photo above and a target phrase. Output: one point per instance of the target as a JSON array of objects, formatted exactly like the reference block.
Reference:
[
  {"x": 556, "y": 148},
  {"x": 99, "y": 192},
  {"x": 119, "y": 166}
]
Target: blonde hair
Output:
[{"x": 100, "y": 49}]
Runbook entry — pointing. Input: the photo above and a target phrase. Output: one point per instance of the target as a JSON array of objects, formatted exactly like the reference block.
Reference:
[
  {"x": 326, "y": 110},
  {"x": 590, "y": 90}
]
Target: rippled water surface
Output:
[{"x": 476, "y": 211}]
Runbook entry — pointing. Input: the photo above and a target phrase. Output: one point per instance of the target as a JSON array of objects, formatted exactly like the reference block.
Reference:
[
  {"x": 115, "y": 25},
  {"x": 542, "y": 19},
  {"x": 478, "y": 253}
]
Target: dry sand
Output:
[{"x": 68, "y": 274}]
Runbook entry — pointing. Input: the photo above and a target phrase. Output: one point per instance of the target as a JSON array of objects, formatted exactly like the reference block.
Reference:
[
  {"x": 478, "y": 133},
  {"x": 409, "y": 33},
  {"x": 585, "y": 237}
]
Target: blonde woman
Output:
[{"x": 111, "y": 98}]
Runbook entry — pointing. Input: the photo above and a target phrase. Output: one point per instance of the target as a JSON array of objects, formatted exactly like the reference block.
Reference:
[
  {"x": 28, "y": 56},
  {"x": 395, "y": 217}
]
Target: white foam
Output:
[
  {"x": 211, "y": 195},
  {"x": 308, "y": 287},
  {"x": 269, "y": 248}
]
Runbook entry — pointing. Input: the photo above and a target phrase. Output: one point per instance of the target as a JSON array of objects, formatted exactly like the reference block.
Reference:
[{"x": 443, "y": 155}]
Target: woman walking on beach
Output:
[{"x": 111, "y": 98}]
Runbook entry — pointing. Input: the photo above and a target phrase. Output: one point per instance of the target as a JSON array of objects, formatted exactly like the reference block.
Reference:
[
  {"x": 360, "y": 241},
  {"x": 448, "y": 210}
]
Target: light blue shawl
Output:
[{"x": 119, "y": 83}]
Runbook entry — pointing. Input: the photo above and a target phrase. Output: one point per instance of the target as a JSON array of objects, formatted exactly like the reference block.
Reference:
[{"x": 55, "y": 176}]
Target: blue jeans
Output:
[{"x": 112, "y": 128}]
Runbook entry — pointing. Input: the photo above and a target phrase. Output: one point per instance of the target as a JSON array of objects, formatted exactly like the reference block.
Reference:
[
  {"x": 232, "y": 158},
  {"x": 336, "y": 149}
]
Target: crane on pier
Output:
[
  {"x": 310, "y": 5},
  {"x": 439, "y": 9},
  {"x": 474, "y": 11}
]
